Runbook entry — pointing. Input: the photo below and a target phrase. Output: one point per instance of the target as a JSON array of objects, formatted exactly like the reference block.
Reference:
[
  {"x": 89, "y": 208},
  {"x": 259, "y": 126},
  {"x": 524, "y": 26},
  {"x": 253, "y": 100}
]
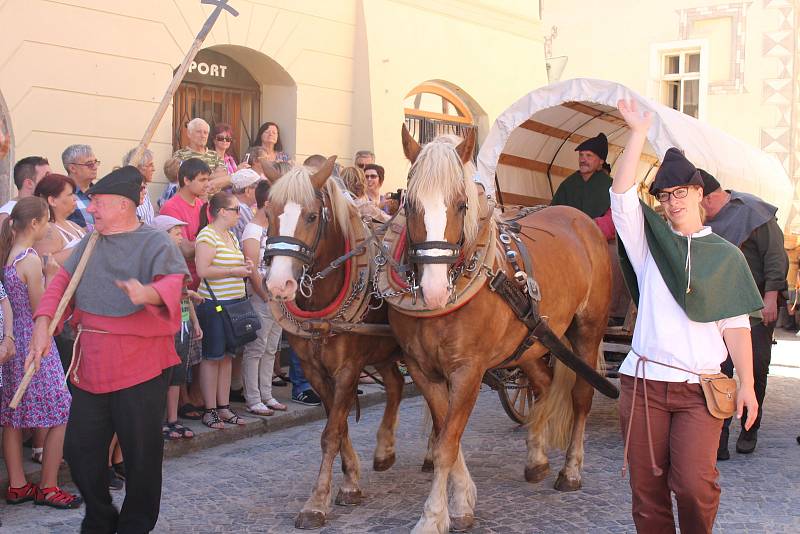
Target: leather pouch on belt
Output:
[{"x": 720, "y": 394}]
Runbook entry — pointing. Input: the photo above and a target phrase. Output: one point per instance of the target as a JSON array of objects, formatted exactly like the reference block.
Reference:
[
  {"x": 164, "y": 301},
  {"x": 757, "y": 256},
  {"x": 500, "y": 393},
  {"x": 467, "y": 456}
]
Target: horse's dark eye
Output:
[
  {"x": 462, "y": 206},
  {"x": 311, "y": 217}
]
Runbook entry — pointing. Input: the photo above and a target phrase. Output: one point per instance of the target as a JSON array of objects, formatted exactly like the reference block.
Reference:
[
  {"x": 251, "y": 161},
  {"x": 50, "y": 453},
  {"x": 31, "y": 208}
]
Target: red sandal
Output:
[
  {"x": 57, "y": 498},
  {"x": 22, "y": 494}
]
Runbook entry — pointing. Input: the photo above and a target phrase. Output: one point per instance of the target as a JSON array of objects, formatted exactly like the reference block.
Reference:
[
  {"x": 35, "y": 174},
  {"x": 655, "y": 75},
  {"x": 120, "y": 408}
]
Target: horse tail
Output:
[{"x": 553, "y": 415}]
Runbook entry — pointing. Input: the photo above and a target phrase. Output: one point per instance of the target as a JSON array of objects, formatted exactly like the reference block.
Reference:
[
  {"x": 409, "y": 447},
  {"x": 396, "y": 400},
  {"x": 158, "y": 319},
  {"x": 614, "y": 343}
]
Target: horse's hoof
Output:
[
  {"x": 537, "y": 473},
  {"x": 309, "y": 520},
  {"x": 427, "y": 466},
  {"x": 565, "y": 484},
  {"x": 462, "y": 524},
  {"x": 382, "y": 464},
  {"x": 349, "y": 498}
]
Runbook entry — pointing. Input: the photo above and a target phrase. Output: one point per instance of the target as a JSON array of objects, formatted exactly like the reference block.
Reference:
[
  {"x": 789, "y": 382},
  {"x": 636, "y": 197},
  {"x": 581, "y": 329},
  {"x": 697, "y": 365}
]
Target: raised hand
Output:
[{"x": 637, "y": 121}]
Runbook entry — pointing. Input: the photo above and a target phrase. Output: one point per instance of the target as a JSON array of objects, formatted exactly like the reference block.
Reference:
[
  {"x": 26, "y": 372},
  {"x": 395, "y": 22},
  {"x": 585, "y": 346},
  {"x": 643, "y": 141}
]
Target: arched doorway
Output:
[
  {"x": 219, "y": 90},
  {"x": 6, "y": 151}
]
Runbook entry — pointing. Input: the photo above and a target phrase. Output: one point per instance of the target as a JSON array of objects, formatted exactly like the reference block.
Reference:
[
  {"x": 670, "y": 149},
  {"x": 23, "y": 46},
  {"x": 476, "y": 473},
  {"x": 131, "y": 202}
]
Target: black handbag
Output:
[{"x": 239, "y": 319}]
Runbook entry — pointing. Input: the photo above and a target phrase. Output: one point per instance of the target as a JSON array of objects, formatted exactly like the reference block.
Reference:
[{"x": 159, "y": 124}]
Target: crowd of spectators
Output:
[{"x": 214, "y": 211}]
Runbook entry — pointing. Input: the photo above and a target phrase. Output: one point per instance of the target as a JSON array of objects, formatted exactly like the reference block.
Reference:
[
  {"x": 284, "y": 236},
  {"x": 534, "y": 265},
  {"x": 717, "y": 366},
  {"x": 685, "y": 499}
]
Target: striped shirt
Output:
[
  {"x": 81, "y": 215},
  {"x": 145, "y": 211},
  {"x": 224, "y": 288},
  {"x": 245, "y": 216},
  {"x": 212, "y": 159}
]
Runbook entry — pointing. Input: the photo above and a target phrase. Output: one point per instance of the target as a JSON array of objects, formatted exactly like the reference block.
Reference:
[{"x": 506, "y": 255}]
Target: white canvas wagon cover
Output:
[{"x": 531, "y": 146}]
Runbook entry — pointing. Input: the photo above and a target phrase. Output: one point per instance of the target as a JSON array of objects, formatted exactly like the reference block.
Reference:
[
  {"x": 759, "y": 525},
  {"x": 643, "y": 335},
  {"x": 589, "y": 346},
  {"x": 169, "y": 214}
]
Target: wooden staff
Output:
[
  {"x": 56, "y": 320},
  {"x": 135, "y": 160},
  {"x": 179, "y": 74}
]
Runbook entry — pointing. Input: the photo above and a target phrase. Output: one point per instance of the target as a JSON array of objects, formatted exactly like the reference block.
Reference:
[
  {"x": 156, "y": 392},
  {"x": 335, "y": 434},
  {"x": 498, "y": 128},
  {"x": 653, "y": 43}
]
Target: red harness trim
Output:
[
  {"x": 333, "y": 306},
  {"x": 400, "y": 281}
]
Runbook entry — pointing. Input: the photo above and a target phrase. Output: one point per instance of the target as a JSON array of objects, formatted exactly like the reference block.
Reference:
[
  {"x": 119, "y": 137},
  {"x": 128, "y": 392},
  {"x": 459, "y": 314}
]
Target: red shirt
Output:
[
  {"x": 137, "y": 347},
  {"x": 183, "y": 211}
]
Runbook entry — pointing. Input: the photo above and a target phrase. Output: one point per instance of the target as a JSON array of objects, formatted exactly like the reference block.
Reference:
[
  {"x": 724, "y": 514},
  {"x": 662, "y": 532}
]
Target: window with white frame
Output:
[{"x": 680, "y": 80}]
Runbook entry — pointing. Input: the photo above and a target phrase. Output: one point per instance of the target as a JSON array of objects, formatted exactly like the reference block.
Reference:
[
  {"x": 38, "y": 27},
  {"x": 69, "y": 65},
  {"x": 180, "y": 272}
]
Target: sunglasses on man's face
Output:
[
  {"x": 370, "y": 175},
  {"x": 235, "y": 208},
  {"x": 224, "y": 139}
]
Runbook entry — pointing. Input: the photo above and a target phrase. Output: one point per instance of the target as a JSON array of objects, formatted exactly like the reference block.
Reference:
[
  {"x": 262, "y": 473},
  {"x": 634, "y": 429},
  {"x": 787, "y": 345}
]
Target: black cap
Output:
[
  {"x": 125, "y": 181},
  {"x": 710, "y": 184},
  {"x": 675, "y": 171},
  {"x": 598, "y": 145}
]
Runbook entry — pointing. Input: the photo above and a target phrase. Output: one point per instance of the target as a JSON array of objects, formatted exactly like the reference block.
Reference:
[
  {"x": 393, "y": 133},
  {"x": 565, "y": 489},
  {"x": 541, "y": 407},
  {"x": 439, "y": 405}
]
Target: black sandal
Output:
[
  {"x": 175, "y": 431},
  {"x": 191, "y": 412},
  {"x": 211, "y": 419},
  {"x": 234, "y": 419}
]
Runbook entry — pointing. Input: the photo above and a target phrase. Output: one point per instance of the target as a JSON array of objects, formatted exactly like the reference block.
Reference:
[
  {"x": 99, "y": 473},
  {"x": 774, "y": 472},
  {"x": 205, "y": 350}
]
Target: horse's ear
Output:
[
  {"x": 467, "y": 146},
  {"x": 270, "y": 171},
  {"x": 410, "y": 146},
  {"x": 319, "y": 178}
]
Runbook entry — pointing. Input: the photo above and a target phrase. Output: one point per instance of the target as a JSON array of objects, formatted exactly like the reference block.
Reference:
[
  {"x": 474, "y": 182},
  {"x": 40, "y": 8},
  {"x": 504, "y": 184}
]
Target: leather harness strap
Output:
[{"x": 523, "y": 296}]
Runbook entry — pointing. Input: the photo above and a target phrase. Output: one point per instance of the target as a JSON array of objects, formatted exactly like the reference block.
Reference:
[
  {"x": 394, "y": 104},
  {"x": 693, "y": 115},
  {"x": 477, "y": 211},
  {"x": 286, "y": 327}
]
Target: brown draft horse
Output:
[
  {"x": 311, "y": 209},
  {"x": 448, "y": 354}
]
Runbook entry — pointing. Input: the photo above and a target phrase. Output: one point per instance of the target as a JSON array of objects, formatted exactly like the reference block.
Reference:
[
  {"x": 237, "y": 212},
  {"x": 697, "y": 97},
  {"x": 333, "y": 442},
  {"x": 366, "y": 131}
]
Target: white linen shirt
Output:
[{"x": 663, "y": 331}]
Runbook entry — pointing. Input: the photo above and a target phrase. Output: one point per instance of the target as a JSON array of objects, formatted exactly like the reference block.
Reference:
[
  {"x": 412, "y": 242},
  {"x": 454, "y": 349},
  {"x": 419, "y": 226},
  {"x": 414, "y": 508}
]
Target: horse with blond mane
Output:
[
  {"x": 311, "y": 224},
  {"x": 451, "y": 343}
]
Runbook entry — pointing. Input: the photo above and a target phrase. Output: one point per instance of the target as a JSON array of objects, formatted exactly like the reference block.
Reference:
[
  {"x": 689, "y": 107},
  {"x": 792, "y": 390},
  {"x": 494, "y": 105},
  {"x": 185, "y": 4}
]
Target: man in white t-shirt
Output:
[{"x": 27, "y": 173}]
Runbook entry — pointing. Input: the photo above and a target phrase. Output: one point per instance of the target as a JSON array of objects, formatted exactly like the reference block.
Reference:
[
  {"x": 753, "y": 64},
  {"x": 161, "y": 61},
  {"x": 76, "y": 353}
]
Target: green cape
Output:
[{"x": 721, "y": 285}]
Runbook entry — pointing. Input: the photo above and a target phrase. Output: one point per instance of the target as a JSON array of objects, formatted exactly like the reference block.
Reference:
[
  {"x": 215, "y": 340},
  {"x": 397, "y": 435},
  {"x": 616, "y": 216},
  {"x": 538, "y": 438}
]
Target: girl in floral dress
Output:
[{"x": 47, "y": 401}]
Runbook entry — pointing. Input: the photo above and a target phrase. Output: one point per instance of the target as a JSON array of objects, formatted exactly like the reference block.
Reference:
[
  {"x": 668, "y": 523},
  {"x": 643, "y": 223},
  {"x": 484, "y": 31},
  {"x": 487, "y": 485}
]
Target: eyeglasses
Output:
[
  {"x": 235, "y": 208},
  {"x": 91, "y": 164},
  {"x": 223, "y": 139},
  {"x": 681, "y": 192},
  {"x": 371, "y": 175}
]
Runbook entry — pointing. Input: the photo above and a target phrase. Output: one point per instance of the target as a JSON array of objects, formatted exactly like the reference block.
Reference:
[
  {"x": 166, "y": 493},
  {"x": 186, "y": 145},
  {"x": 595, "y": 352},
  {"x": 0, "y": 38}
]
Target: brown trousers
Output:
[{"x": 685, "y": 439}]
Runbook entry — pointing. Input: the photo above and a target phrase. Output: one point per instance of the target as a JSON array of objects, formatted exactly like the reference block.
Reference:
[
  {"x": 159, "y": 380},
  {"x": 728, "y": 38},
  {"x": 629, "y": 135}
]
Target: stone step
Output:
[{"x": 296, "y": 414}]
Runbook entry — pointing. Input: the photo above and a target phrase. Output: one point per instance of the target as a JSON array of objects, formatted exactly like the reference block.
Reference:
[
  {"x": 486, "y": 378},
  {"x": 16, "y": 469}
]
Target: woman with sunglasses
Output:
[
  {"x": 694, "y": 293},
  {"x": 221, "y": 141},
  {"x": 222, "y": 268}
]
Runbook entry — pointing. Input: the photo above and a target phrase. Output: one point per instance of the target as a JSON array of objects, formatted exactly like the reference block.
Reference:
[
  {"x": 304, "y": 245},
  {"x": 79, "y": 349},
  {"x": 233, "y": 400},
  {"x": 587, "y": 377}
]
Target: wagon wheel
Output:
[{"x": 516, "y": 394}]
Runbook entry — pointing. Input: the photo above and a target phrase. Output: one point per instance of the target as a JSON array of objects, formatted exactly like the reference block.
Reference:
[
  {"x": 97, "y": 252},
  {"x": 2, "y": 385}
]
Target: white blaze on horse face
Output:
[
  {"x": 434, "y": 276},
  {"x": 281, "y": 282}
]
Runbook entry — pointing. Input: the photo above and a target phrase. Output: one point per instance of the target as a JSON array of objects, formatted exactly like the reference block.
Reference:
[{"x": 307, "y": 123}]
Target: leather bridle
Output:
[
  {"x": 295, "y": 248},
  {"x": 417, "y": 251}
]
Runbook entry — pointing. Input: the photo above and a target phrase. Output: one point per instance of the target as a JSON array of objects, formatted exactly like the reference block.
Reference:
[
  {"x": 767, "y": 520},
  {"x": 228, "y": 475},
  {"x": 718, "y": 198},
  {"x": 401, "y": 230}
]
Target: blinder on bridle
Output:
[
  {"x": 417, "y": 252},
  {"x": 295, "y": 248}
]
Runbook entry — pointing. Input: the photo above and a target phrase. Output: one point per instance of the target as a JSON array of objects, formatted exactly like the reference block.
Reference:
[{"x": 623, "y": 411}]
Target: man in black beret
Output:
[
  {"x": 587, "y": 190},
  {"x": 750, "y": 223},
  {"x": 126, "y": 310}
]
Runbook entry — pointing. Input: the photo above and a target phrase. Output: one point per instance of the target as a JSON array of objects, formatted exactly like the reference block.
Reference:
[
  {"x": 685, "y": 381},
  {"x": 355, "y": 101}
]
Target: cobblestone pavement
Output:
[{"x": 259, "y": 484}]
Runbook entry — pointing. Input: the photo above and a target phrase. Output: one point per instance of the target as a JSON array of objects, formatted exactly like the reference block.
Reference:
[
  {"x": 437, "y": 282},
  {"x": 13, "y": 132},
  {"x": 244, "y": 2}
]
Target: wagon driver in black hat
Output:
[
  {"x": 587, "y": 190},
  {"x": 126, "y": 311}
]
